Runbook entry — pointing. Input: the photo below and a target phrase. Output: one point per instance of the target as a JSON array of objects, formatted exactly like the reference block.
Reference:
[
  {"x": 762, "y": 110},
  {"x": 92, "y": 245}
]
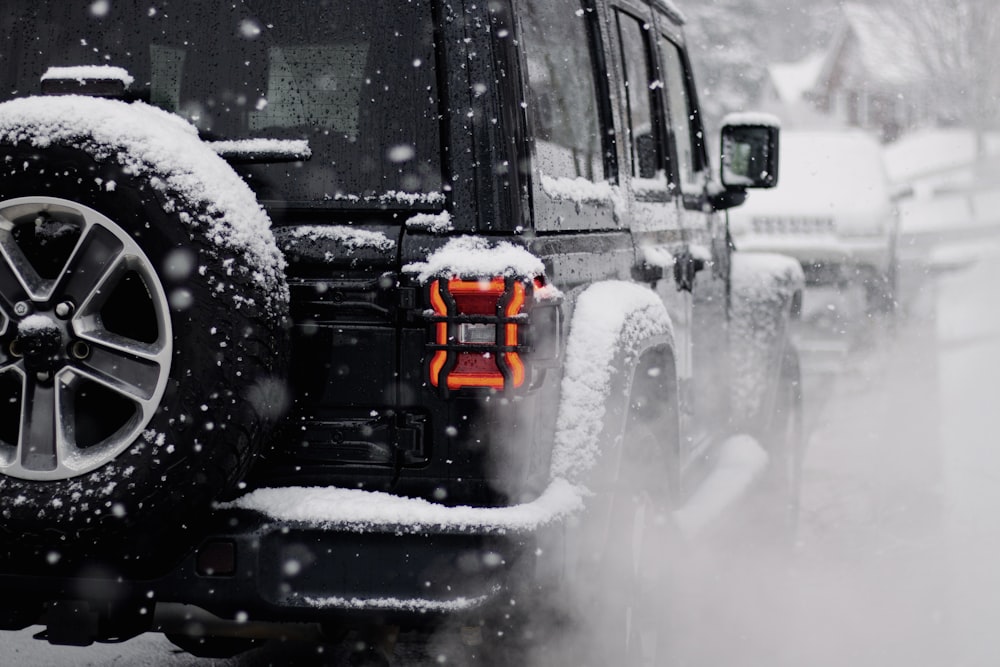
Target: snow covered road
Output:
[
  {"x": 900, "y": 535},
  {"x": 899, "y": 543},
  {"x": 901, "y": 489}
]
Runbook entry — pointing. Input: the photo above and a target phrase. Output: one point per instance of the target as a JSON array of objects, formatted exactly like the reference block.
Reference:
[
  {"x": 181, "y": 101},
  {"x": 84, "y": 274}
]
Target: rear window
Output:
[{"x": 356, "y": 78}]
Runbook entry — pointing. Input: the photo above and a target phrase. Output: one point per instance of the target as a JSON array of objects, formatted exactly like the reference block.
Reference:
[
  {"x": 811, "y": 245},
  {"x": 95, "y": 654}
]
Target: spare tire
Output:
[{"x": 142, "y": 325}]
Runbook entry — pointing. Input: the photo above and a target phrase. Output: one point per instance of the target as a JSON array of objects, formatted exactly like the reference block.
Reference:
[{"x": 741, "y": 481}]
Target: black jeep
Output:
[{"x": 361, "y": 314}]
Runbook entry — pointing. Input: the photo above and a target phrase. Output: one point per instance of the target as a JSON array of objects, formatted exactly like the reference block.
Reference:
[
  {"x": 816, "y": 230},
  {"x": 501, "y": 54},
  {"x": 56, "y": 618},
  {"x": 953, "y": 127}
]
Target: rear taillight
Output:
[{"x": 478, "y": 332}]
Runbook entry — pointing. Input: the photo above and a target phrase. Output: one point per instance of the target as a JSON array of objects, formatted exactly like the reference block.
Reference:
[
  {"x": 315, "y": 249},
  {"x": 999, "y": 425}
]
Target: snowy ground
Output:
[{"x": 899, "y": 542}]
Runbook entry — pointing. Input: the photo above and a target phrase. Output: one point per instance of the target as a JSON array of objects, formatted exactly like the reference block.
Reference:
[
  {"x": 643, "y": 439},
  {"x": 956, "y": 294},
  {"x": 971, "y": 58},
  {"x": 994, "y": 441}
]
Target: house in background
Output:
[
  {"x": 786, "y": 93},
  {"x": 870, "y": 76},
  {"x": 873, "y": 76}
]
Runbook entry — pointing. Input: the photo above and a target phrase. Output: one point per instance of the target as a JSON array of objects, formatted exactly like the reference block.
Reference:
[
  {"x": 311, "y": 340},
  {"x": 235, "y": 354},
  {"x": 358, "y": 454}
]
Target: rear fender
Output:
[
  {"x": 619, "y": 333},
  {"x": 615, "y": 327}
]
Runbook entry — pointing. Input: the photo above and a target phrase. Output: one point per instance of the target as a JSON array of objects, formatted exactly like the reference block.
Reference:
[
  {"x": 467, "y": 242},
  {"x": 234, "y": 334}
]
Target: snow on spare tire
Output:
[{"x": 142, "y": 301}]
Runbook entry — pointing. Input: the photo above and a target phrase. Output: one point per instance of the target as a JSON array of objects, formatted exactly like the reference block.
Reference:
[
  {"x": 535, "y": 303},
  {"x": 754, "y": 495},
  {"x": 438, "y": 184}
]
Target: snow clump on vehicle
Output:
[
  {"x": 610, "y": 317},
  {"x": 477, "y": 257},
  {"x": 358, "y": 510}
]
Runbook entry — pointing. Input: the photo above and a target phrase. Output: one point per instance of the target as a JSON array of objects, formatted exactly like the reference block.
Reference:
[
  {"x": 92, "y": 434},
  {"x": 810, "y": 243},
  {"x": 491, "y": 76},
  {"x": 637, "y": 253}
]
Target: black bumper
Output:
[{"x": 261, "y": 570}]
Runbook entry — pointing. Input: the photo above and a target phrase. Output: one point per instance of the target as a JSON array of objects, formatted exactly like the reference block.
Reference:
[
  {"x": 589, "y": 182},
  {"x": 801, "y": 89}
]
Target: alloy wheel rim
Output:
[{"x": 85, "y": 339}]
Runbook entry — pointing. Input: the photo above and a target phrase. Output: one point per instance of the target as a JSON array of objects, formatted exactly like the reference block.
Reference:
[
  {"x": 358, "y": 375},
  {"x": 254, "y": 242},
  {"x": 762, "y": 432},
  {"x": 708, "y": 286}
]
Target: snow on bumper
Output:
[
  {"x": 418, "y": 605},
  {"x": 359, "y": 511},
  {"x": 347, "y": 550}
]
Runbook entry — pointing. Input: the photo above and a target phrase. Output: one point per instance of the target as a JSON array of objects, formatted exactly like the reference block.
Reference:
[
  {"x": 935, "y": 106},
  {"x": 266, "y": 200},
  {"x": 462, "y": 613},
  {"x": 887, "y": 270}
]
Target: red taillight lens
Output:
[{"x": 476, "y": 333}]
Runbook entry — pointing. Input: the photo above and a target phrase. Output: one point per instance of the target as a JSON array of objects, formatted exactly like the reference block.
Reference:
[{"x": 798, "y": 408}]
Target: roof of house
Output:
[
  {"x": 793, "y": 80},
  {"x": 887, "y": 53}
]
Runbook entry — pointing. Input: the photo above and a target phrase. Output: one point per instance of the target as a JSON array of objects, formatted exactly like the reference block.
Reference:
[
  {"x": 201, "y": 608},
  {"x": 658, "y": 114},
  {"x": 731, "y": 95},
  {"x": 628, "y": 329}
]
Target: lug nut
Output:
[
  {"x": 64, "y": 310},
  {"x": 21, "y": 308},
  {"x": 15, "y": 349},
  {"x": 79, "y": 350}
]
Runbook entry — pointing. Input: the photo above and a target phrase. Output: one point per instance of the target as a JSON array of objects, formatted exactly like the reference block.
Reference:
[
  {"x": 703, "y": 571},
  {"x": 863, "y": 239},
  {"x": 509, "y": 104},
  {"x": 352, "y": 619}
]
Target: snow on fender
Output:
[
  {"x": 763, "y": 291},
  {"x": 142, "y": 339},
  {"x": 611, "y": 320}
]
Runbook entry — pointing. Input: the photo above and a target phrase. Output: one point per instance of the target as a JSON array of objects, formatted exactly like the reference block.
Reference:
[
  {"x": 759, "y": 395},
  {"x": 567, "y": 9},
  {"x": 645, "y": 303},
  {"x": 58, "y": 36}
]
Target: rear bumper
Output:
[
  {"x": 298, "y": 573},
  {"x": 262, "y": 566}
]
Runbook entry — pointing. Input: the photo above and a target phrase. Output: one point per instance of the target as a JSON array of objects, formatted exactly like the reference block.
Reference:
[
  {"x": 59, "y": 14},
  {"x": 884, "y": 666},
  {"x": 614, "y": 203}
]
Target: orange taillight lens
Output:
[{"x": 476, "y": 333}]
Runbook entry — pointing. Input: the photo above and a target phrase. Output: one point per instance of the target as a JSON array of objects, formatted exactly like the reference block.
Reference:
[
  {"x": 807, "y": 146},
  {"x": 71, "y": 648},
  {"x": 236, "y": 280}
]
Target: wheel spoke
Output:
[
  {"x": 95, "y": 256},
  {"x": 122, "y": 371},
  {"x": 41, "y": 427},
  {"x": 17, "y": 276},
  {"x": 156, "y": 352}
]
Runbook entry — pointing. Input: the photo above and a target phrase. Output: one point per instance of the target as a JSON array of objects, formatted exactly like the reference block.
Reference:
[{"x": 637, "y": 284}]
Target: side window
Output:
[
  {"x": 563, "y": 101},
  {"x": 679, "y": 113},
  {"x": 639, "y": 78}
]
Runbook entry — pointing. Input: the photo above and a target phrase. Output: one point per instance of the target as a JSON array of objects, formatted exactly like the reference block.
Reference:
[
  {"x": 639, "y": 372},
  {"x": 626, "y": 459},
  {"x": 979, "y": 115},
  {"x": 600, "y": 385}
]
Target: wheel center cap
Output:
[{"x": 41, "y": 340}]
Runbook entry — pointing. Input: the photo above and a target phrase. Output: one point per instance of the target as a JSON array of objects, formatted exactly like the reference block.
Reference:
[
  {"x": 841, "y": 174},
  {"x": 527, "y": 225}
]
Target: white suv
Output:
[{"x": 833, "y": 211}]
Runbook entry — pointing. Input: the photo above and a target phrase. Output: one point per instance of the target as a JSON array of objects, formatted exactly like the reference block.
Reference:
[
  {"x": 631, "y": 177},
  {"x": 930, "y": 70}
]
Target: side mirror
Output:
[{"x": 750, "y": 150}]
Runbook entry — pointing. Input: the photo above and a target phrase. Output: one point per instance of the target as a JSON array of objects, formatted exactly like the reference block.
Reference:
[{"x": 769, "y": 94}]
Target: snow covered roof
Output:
[
  {"x": 793, "y": 80},
  {"x": 887, "y": 55}
]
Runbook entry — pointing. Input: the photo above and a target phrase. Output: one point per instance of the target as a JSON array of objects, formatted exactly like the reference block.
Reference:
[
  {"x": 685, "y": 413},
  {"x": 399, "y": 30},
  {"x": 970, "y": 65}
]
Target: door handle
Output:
[{"x": 686, "y": 267}]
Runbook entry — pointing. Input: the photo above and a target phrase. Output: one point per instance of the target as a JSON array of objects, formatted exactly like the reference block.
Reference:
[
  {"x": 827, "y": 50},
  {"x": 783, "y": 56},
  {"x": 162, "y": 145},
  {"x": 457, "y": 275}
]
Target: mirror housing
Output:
[
  {"x": 749, "y": 157},
  {"x": 750, "y": 150}
]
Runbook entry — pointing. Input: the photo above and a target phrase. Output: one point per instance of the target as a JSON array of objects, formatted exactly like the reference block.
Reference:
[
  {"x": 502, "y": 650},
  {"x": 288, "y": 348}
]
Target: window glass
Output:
[
  {"x": 333, "y": 102},
  {"x": 355, "y": 78},
  {"x": 679, "y": 111},
  {"x": 638, "y": 80},
  {"x": 562, "y": 100}
]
